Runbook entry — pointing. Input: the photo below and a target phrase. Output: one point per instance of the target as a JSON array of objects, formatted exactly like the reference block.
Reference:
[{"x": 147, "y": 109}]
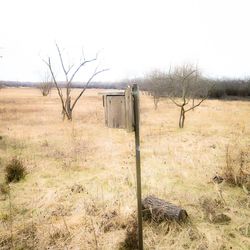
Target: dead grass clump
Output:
[
  {"x": 244, "y": 202},
  {"x": 236, "y": 171},
  {"x": 173, "y": 235},
  {"x": 60, "y": 210},
  {"x": 23, "y": 238},
  {"x": 245, "y": 230},
  {"x": 3, "y": 144},
  {"x": 92, "y": 209},
  {"x": 26, "y": 238},
  {"x": 5, "y": 242},
  {"x": 77, "y": 188},
  {"x": 15, "y": 171},
  {"x": 59, "y": 237},
  {"x": 4, "y": 190},
  {"x": 131, "y": 239},
  {"x": 107, "y": 220},
  {"x": 210, "y": 206},
  {"x": 111, "y": 221},
  {"x": 212, "y": 210}
]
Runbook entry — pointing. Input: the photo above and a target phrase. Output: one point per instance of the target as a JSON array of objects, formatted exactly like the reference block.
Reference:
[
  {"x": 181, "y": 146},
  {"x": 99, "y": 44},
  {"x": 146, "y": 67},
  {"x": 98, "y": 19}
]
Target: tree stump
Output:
[{"x": 160, "y": 210}]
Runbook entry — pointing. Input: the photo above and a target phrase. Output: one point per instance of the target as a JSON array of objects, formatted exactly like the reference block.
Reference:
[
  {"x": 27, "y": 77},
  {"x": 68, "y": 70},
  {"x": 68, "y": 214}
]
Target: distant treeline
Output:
[
  {"x": 223, "y": 88},
  {"x": 230, "y": 88},
  {"x": 97, "y": 85}
]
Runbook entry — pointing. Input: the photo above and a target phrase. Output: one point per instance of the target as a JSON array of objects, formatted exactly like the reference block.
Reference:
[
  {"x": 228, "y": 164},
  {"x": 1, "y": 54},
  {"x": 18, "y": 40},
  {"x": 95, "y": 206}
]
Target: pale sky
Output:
[{"x": 133, "y": 36}]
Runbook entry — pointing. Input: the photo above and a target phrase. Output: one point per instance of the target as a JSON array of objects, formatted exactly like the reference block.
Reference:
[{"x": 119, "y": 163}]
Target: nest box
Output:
[{"x": 119, "y": 109}]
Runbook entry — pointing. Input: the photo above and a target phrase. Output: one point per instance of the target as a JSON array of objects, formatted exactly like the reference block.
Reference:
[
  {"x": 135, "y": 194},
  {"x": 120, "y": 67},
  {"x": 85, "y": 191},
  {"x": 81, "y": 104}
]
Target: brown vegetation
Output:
[
  {"x": 69, "y": 74},
  {"x": 184, "y": 86},
  {"x": 14, "y": 171},
  {"x": 80, "y": 190}
]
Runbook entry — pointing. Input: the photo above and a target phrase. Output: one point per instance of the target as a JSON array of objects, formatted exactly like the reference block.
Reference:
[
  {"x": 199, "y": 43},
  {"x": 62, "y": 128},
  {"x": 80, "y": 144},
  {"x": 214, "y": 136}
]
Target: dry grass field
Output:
[{"x": 79, "y": 192}]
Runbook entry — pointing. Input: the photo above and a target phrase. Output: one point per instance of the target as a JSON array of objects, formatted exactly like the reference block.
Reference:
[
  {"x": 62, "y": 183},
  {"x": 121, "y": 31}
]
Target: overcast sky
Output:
[{"x": 132, "y": 36}]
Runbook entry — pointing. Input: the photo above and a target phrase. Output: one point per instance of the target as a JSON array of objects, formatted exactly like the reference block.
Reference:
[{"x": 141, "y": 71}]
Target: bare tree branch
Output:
[
  {"x": 62, "y": 64},
  {"x": 177, "y": 104},
  {"x": 198, "y": 104},
  {"x": 189, "y": 74},
  {"x": 69, "y": 68},
  {"x": 86, "y": 85},
  {"x": 79, "y": 67},
  {"x": 203, "y": 99},
  {"x": 56, "y": 84},
  {"x": 67, "y": 108}
]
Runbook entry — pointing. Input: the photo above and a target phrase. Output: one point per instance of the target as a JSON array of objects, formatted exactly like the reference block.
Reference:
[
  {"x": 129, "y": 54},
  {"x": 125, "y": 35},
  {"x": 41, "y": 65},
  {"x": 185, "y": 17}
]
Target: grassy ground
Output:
[{"x": 79, "y": 192}]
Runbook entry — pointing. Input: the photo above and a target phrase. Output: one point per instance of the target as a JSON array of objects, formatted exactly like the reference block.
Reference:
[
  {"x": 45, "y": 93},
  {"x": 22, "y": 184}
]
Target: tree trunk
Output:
[
  {"x": 69, "y": 114},
  {"x": 68, "y": 110},
  {"x": 63, "y": 114},
  {"x": 160, "y": 210},
  {"x": 156, "y": 100},
  {"x": 182, "y": 117}
]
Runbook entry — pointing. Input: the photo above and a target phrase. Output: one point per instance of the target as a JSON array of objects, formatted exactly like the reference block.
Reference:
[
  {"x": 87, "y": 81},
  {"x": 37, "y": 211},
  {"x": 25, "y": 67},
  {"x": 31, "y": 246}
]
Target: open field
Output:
[{"x": 79, "y": 192}]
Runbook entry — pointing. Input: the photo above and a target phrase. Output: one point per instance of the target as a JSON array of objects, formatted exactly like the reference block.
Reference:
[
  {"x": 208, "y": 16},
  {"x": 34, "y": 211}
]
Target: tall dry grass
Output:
[{"x": 79, "y": 192}]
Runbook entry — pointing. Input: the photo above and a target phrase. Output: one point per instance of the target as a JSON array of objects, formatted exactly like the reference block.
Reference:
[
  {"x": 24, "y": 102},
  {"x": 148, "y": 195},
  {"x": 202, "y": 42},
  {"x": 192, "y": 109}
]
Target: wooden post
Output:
[
  {"x": 135, "y": 91},
  {"x": 129, "y": 113}
]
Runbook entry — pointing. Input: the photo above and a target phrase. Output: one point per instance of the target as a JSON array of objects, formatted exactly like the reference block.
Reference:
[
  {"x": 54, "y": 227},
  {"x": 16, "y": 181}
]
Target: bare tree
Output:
[
  {"x": 46, "y": 85},
  {"x": 186, "y": 85},
  {"x": 156, "y": 83},
  {"x": 70, "y": 72}
]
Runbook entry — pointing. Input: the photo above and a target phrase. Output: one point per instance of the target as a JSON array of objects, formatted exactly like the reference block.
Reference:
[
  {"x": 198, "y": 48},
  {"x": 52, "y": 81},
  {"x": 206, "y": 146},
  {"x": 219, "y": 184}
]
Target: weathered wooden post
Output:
[
  {"x": 122, "y": 111},
  {"x": 135, "y": 92}
]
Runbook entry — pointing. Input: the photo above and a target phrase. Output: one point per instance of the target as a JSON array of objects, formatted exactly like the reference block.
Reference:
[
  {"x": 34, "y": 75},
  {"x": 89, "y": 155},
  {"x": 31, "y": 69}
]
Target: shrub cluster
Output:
[
  {"x": 225, "y": 88},
  {"x": 15, "y": 171},
  {"x": 236, "y": 170}
]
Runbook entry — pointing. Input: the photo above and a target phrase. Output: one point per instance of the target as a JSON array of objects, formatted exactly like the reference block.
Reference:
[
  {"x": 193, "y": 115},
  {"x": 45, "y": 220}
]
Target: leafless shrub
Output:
[
  {"x": 156, "y": 84},
  {"x": 236, "y": 170},
  {"x": 45, "y": 88},
  {"x": 15, "y": 171},
  {"x": 46, "y": 85}
]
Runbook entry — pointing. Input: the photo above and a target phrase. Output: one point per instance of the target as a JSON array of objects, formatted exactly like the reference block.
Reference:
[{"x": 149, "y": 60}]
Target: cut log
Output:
[{"x": 160, "y": 210}]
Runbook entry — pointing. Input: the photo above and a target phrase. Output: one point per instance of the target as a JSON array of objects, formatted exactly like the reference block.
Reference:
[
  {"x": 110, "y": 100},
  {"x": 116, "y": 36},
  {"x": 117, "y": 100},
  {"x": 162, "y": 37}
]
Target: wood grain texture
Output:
[{"x": 160, "y": 210}]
